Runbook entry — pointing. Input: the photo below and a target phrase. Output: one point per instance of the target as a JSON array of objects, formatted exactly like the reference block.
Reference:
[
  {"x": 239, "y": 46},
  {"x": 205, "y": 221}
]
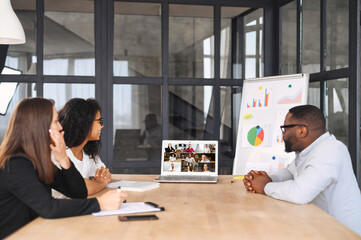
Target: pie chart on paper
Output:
[{"x": 255, "y": 136}]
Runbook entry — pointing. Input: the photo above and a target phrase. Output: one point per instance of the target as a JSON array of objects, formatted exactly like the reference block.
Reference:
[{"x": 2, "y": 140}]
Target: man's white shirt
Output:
[{"x": 322, "y": 174}]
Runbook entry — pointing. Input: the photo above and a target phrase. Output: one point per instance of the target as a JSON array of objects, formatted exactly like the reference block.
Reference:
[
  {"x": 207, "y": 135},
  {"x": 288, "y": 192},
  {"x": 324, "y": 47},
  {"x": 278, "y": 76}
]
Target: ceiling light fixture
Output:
[{"x": 11, "y": 30}]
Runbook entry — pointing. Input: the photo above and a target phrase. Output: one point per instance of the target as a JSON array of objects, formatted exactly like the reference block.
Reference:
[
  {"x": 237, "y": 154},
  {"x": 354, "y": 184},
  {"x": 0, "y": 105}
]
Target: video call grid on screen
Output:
[{"x": 189, "y": 157}]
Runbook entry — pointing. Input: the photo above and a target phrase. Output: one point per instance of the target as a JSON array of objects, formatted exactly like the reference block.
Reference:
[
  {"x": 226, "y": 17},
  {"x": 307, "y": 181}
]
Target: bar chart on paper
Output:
[{"x": 259, "y": 98}]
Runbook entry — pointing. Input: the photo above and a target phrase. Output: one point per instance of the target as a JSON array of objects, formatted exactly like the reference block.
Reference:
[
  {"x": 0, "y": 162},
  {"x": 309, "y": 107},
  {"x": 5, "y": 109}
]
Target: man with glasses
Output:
[{"x": 321, "y": 172}]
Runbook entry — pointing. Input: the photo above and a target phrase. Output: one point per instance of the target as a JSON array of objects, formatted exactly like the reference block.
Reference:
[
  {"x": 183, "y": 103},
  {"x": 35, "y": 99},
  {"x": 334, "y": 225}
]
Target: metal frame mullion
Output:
[
  {"x": 68, "y": 79},
  {"x": 299, "y": 36},
  {"x": 354, "y": 86},
  {"x": 323, "y": 34},
  {"x": 165, "y": 69},
  {"x": 189, "y": 81},
  {"x": 244, "y": 3},
  {"x": 270, "y": 37},
  {"x": 217, "y": 70},
  {"x": 19, "y": 78},
  {"x": 107, "y": 72},
  {"x": 279, "y": 36},
  {"x": 39, "y": 47},
  {"x": 103, "y": 73},
  {"x": 323, "y": 51},
  {"x": 237, "y": 44},
  {"x": 330, "y": 75},
  {"x": 137, "y": 81}
]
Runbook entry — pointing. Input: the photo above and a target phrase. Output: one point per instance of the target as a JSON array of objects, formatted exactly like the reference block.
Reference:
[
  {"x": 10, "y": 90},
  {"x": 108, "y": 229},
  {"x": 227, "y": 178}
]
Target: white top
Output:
[
  {"x": 322, "y": 174},
  {"x": 190, "y": 159},
  {"x": 206, "y": 161},
  {"x": 172, "y": 159},
  {"x": 87, "y": 167}
]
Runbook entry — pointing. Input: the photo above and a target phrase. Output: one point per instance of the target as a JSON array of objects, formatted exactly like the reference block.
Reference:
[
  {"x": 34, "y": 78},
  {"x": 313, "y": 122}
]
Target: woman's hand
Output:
[
  {"x": 58, "y": 148},
  {"x": 103, "y": 173},
  {"x": 111, "y": 200}
]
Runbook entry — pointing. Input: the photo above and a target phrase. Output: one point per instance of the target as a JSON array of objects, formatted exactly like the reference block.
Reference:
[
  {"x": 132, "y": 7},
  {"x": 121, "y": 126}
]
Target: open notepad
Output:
[
  {"x": 127, "y": 208},
  {"x": 134, "y": 186}
]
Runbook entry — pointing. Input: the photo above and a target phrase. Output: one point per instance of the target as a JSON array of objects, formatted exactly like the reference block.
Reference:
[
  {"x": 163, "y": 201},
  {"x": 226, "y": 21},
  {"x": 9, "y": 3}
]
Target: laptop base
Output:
[{"x": 187, "y": 179}]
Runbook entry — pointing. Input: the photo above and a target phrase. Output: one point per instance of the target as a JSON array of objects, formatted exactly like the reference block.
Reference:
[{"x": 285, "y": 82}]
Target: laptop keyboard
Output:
[{"x": 188, "y": 178}]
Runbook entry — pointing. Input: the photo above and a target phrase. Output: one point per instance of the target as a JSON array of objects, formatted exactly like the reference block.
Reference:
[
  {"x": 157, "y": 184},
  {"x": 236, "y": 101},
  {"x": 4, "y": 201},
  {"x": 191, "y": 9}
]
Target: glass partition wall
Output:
[{"x": 174, "y": 70}]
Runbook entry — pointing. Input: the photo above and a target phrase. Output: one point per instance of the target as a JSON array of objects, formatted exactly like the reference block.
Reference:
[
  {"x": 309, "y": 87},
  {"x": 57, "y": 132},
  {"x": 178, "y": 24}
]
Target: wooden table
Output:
[{"x": 198, "y": 211}]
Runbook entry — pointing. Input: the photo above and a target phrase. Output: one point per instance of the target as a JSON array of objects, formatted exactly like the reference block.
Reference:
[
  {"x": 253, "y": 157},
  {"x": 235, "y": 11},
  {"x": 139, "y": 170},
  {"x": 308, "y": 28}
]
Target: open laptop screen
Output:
[{"x": 187, "y": 157}]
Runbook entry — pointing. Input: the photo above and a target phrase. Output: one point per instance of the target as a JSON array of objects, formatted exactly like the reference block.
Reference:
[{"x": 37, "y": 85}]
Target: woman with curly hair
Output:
[{"x": 82, "y": 122}]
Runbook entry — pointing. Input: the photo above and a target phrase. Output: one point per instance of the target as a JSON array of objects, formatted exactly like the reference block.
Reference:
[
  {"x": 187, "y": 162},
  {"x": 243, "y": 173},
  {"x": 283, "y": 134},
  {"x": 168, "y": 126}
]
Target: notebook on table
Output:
[{"x": 189, "y": 161}]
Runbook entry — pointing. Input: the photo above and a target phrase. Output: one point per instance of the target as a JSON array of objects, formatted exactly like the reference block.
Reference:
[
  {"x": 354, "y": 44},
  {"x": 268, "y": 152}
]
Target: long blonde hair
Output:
[{"x": 27, "y": 135}]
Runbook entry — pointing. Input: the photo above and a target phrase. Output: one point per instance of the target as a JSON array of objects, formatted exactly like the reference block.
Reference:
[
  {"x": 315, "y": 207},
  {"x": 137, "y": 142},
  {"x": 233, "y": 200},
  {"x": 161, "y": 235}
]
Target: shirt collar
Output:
[{"x": 308, "y": 149}]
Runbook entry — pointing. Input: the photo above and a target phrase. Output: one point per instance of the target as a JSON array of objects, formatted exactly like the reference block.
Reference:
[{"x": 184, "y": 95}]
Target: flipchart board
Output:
[{"x": 265, "y": 103}]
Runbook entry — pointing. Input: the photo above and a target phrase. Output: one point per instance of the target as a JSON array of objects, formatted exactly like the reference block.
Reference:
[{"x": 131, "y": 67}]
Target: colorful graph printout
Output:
[
  {"x": 265, "y": 103},
  {"x": 260, "y": 98},
  {"x": 291, "y": 98},
  {"x": 255, "y": 136},
  {"x": 277, "y": 133}
]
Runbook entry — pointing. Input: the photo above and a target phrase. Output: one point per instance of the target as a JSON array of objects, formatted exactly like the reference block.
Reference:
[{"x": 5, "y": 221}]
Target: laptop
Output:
[{"x": 189, "y": 161}]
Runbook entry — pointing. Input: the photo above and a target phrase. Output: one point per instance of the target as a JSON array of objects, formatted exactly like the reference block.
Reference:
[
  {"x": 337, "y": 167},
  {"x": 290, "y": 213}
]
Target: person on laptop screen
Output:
[
  {"x": 189, "y": 149},
  {"x": 207, "y": 149},
  {"x": 170, "y": 149},
  {"x": 190, "y": 159},
  {"x": 321, "y": 173},
  {"x": 172, "y": 158},
  {"x": 190, "y": 167},
  {"x": 172, "y": 168},
  {"x": 206, "y": 168},
  {"x": 205, "y": 159}
]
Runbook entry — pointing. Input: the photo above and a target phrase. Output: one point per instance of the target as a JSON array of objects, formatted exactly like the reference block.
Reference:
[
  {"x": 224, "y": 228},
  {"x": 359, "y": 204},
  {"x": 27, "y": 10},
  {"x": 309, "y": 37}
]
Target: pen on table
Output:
[
  {"x": 237, "y": 178},
  {"x": 119, "y": 190}
]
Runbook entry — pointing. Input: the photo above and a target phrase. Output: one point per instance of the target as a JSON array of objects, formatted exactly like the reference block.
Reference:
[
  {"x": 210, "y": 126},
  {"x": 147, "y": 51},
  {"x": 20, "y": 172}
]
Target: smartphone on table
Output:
[{"x": 137, "y": 217}]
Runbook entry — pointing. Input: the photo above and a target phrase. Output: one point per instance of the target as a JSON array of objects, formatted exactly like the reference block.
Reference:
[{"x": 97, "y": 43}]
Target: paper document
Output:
[
  {"x": 127, "y": 208},
  {"x": 135, "y": 186}
]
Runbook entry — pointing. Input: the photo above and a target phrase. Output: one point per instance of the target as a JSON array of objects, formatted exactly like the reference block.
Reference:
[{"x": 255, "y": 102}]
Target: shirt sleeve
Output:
[
  {"x": 282, "y": 175},
  {"x": 317, "y": 175},
  {"x": 23, "y": 183},
  {"x": 70, "y": 183}
]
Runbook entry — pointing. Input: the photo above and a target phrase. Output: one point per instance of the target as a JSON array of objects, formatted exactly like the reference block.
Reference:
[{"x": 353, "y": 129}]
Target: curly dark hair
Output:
[{"x": 77, "y": 117}]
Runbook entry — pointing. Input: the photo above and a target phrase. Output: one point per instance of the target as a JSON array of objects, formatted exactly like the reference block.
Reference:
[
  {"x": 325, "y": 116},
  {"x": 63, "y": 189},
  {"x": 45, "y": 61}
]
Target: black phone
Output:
[{"x": 137, "y": 217}]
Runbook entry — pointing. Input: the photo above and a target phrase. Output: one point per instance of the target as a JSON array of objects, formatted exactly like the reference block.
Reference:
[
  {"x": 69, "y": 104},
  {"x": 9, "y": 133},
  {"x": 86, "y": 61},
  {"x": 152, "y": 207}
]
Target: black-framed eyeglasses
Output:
[
  {"x": 101, "y": 121},
  {"x": 285, "y": 127}
]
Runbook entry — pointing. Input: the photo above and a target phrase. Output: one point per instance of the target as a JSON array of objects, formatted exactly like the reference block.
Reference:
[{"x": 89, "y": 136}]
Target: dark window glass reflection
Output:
[
  {"x": 137, "y": 124},
  {"x": 191, "y": 41},
  {"x": 137, "y": 39},
  {"x": 69, "y": 38},
  {"x": 191, "y": 112},
  {"x": 336, "y": 99}
]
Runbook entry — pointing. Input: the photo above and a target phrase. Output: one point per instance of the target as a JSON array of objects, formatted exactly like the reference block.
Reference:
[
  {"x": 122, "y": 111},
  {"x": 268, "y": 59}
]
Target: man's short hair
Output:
[{"x": 310, "y": 115}]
